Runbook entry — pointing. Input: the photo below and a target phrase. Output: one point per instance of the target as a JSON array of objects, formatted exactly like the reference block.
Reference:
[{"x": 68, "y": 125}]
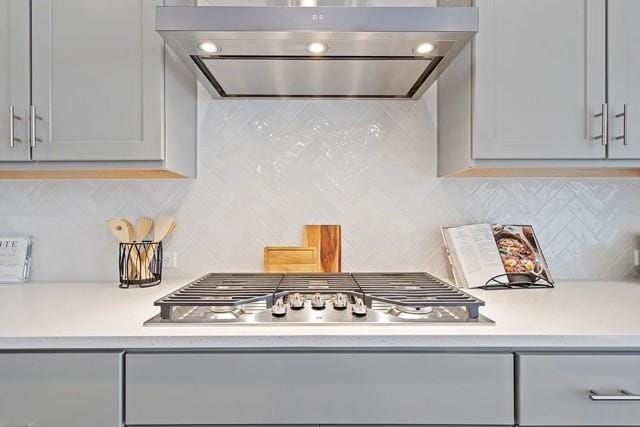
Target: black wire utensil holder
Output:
[
  {"x": 140, "y": 264},
  {"x": 518, "y": 281}
]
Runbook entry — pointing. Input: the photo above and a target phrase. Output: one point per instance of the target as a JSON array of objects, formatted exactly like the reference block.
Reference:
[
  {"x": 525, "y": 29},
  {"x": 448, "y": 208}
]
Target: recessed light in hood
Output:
[
  {"x": 316, "y": 48},
  {"x": 317, "y": 52},
  {"x": 208, "y": 47},
  {"x": 424, "y": 48}
]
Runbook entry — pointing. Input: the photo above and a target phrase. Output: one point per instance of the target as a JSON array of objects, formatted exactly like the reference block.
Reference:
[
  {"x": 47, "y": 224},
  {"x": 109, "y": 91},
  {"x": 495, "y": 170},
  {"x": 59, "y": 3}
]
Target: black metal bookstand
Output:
[{"x": 518, "y": 281}]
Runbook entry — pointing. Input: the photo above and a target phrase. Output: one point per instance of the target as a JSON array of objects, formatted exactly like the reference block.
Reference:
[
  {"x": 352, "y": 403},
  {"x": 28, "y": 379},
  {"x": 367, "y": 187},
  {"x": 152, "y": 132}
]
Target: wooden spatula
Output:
[{"x": 164, "y": 226}]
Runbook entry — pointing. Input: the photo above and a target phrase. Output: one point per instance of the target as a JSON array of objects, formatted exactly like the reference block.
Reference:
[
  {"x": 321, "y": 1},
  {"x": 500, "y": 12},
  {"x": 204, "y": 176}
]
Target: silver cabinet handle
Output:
[
  {"x": 604, "y": 114},
  {"x": 625, "y": 125},
  {"x": 12, "y": 129},
  {"x": 33, "y": 119},
  {"x": 623, "y": 396}
]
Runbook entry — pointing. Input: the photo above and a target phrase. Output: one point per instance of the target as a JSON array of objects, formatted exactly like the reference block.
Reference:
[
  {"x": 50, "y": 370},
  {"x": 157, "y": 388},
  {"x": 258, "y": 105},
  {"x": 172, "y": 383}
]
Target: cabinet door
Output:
[
  {"x": 60, "y": 389},
  {"x": 14, "y": 80},
  {"x": 97, "y": 80},
  {"x": 539, "y": 79},
  {"x": 624, "y": 69}
]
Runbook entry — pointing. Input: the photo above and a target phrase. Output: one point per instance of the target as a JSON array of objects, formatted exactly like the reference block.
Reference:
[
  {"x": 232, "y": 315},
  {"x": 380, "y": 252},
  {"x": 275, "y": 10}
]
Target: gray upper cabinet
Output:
[
  {"x": 540, "y": 79},
  {"x": 624, "y": 69},
  {"x": 94, "y": 91},
  {"x": 60, "y": 389},
  {"x": 97, "y": 80},
  {"x": 14, "y": 80}
]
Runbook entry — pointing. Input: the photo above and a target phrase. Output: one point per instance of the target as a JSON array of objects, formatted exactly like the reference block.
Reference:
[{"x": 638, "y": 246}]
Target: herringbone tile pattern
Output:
[{"x": 267, "y": 167}]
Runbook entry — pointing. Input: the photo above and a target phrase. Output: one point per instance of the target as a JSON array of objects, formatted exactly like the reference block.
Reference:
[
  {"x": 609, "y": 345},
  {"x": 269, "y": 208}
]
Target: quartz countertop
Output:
[{"x": 580, "y": 315}]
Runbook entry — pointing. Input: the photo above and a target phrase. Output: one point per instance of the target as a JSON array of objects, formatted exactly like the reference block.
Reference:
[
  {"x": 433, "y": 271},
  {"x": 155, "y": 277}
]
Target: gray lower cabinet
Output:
[
  {"x": 60, "y": 389},
  {"x": 319, "y": 388},
  {"x": 578, "y": 389}
]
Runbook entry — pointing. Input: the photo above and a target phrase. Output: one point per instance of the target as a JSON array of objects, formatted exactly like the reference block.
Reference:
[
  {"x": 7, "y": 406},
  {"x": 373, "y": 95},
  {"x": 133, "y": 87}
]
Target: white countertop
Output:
[{"x": 576, "y": 315}]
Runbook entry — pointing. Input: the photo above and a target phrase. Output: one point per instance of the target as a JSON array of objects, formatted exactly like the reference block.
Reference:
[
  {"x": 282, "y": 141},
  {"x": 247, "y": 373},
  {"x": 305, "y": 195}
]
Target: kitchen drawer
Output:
[
  {"x": 554, "y": 389},
  {"x": 319, "y": 388},
  {"x": 61, "y": 389}
]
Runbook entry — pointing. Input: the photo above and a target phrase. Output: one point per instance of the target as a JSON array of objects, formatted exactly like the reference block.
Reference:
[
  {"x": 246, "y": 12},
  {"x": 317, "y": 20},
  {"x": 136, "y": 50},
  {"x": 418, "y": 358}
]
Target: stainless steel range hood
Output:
[{"x": 319, "y": 51}]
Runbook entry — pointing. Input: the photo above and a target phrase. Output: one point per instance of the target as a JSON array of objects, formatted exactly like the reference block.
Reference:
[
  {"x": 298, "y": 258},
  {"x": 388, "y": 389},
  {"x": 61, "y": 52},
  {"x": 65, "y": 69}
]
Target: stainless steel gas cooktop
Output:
[{"x": 317, "y": 298}]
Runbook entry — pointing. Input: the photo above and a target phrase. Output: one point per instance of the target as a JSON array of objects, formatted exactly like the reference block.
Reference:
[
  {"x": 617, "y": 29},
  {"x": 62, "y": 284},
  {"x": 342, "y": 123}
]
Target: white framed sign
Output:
[{"x": 15, "y": 258}]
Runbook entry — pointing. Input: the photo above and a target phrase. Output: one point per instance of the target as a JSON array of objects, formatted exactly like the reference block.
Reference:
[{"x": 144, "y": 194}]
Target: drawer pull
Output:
[{"x": 623, "y": 396}]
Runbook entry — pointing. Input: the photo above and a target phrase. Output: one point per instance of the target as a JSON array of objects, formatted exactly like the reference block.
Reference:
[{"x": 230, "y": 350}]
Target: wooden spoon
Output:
[
  {"x": 123, "y": 232},
  {"x": 134, "y": 253},
  {"x": 119, "y": 228},
  {"x": 142, "y": 229}
]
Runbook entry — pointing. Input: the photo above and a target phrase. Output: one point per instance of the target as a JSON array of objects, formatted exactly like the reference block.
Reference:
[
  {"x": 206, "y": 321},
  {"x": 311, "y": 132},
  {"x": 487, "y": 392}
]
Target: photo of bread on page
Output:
[{"x": 520, "y": 251}]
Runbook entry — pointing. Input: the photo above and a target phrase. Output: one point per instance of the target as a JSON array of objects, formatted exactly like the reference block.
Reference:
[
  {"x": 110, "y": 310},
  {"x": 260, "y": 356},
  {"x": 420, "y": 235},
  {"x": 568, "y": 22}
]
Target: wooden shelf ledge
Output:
[
  {"x": 547, "y": 173},
  {"x": 91, "y": 174}
]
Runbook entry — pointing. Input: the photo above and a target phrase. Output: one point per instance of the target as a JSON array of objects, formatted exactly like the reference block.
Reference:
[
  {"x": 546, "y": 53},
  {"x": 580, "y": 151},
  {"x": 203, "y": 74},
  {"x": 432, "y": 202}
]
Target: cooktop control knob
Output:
[
  {"x": 340, "y": 302},
  {"x": 317, "y": 301},
  {"x": 279, "y": 309},
  {"x": 359, "y": 309},
  {"x": 296, "y": 301}
]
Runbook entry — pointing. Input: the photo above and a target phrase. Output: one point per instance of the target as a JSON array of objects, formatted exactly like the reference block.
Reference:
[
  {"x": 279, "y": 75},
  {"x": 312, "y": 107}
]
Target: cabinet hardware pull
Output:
[
  {"x": 625, "y": 125},
  {"x": 605, "y": 124},
  {"x": 623, "y": 396},
  {"x": 34, "y": 117},
  {"x": 12, "y": 130}
]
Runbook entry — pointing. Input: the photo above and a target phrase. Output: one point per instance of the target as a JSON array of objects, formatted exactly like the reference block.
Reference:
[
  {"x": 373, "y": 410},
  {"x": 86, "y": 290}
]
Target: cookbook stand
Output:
[{"x": 518, "y": 281}]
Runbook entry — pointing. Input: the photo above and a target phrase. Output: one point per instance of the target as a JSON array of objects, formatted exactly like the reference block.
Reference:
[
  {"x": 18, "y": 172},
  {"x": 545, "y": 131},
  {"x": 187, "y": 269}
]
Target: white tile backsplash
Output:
[{"x": 268, "y": 167}]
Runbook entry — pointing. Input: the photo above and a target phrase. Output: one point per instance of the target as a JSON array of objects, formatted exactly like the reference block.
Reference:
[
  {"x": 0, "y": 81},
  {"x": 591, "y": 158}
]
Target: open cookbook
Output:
[{"x": 479, "y": 253}]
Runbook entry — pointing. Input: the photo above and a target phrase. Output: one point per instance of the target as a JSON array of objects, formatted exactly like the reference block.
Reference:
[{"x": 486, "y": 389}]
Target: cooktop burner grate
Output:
[
  {"x": 222, "y": 290},
  {"x": 229, "y": 294},
  {"x": 414, "y": 290}
]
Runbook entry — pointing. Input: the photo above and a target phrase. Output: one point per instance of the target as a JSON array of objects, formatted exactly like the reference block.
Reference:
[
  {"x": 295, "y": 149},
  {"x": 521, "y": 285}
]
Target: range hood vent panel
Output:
[
  {"x": 371, "y": 49},
  {"x": 343, "y": 77}
]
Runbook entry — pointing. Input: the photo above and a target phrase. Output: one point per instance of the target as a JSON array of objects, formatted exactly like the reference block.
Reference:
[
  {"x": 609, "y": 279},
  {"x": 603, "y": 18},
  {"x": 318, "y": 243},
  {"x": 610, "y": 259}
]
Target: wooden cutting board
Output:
[
  {"x": 327, "y": 239},
  {"x": 290, "y": 259}
]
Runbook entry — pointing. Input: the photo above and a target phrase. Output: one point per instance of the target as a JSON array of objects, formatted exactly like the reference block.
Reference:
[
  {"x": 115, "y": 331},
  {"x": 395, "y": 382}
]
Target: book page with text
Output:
[{"x": 477, "y": 253}]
